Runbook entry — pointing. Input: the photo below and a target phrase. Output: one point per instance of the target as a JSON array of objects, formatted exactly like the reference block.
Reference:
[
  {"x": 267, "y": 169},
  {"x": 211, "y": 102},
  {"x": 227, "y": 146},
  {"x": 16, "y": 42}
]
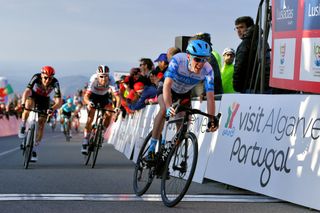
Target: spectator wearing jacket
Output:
[{"x": 142, "y": 94}]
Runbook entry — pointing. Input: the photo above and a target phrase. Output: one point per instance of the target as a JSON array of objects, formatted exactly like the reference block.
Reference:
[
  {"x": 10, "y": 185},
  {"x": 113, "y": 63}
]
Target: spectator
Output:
[
  {"x": 245, "y": 68},
  {"x": 142, "y": 93},
  {"x": 227, "y": 70},
  {"x": 171, "y": 52},
  {"x": 146, "y": 65},
  {"x": 162, "y": 62}
]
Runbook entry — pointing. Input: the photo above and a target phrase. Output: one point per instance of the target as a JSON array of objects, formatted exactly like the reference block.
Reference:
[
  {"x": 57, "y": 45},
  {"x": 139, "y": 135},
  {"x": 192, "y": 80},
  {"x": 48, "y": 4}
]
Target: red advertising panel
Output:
[{"x": 296, "y": 45}]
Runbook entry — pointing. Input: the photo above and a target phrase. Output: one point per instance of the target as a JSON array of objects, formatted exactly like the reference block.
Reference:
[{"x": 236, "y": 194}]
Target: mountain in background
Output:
[
  {"x": 68, "y": 84},
  {"x": 72, "y": 75}
]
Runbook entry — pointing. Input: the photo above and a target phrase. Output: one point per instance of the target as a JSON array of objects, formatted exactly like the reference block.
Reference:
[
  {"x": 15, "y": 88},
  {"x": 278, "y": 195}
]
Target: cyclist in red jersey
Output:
[{"x": 38, "y": 93}]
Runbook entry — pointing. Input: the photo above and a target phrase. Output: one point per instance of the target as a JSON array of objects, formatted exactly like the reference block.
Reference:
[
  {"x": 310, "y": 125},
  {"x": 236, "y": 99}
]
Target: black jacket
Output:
[{"x": 245, "y": 69}]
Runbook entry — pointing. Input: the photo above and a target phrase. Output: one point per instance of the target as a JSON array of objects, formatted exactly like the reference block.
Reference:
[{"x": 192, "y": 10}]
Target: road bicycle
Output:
[
  {"x": 66, "y": 129},
  {"x": 96, "y": 137},
  {"x": 31, "y": 135},
  {"x": 175, "y": 161}
]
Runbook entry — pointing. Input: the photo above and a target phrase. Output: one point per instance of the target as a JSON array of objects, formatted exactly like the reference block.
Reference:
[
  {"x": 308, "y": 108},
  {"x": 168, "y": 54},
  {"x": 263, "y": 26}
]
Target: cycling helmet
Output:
[
  {"x": 103, "y": 69},
  {"x": 48, "y": 70},
  {"x": 198, "y": 48},
  {"x": 69, "y": 101}
]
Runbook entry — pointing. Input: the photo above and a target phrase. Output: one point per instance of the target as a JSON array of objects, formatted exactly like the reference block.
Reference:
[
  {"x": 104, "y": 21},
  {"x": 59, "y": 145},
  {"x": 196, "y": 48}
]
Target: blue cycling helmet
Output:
[
  {"x": 198, "y": 48},
  {"x": 69, "y": 101}
]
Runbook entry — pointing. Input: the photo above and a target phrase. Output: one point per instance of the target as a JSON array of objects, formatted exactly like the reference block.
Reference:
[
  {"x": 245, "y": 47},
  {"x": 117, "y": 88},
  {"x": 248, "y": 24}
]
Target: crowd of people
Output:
[{"x": 197, "y": 71}]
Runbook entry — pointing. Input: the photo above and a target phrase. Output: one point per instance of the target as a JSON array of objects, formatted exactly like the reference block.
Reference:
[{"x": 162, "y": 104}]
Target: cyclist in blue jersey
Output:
[
  {"x": 66, "y": 111},
  {"x": 185, "y": 71}
]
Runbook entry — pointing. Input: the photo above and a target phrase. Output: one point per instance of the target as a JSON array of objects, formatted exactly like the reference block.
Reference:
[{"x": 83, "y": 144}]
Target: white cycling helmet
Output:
[{"x": 103, "y": 70}]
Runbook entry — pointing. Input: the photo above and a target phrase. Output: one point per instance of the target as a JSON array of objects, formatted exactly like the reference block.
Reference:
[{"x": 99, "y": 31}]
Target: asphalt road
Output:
[{"x": 60, "y": 182}]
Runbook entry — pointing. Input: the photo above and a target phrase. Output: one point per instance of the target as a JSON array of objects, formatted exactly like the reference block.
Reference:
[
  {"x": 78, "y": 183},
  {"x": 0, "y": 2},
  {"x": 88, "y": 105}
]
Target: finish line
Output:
[{"x": 133, "y": 197}]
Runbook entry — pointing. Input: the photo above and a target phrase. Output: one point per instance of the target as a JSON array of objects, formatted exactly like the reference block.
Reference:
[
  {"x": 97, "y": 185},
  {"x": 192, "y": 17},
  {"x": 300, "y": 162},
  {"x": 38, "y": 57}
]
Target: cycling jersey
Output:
[
  {"x": 66, "y": 108},
  {"x": 183, "y": 79},
  {"x": 97, "y": 89},
  {"x": 37, "y": 87}
]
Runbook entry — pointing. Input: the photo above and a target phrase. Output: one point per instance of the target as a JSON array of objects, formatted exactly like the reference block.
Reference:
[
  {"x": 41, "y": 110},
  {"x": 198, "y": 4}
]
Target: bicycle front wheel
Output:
[
  {"x": 96, "y": 146},
  {"x": 28, "y": 147},
  {"x": 143, "y": 173},
  {"x": 179, "y": 170},
  {"x": 90, "y": 148}
]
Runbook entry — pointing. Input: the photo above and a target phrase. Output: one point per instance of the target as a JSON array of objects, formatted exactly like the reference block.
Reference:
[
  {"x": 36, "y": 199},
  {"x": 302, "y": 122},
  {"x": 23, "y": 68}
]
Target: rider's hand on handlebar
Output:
[
  {"x": 49, "y": 111},
  {"x": 117, "y": 109},
  {"x": 90, "y": 105},
  {"x": 213, "y": 124},
  {"x": 170, "y": 112}
]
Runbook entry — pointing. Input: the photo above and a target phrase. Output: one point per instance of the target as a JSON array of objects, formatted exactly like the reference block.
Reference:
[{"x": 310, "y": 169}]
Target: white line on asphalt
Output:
[
  {"x": 9, "y": 151},
  {"x": 132, "y": 197}
]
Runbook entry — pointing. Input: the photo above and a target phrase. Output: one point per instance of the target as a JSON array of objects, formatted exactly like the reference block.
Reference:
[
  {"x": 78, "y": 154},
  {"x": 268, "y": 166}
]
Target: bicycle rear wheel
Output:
[
  {"x": 143, "y": 173},
  {"x": 28, "y": 147},
  {"x": 96, "y": 146},
  {"x": 179, "y": 170}
]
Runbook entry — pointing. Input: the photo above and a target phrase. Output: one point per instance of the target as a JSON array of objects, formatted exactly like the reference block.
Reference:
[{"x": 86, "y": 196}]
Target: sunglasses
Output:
[
  {"x": 142, "y": 64},
  {"x": 47, "y": 77},
  {"x": 199, "y": 59},
  {"x": 103, "y": 76}
]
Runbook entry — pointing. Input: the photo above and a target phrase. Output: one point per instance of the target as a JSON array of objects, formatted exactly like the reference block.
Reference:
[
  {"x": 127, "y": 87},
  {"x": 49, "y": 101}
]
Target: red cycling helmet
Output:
[{"x": 48, "y": 70}]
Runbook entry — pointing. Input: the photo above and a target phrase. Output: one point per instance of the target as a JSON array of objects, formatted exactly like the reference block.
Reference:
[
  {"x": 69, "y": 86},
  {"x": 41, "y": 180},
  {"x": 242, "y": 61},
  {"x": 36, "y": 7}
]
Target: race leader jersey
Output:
[
  {"x": 97, "y": 89},
  {"x": 183, "y": 79},
  {"x": 36, "y": 86}
]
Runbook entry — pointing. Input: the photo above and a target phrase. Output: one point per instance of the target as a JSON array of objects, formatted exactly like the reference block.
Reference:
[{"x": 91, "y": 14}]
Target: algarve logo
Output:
[{"x": 232, "y": 111}]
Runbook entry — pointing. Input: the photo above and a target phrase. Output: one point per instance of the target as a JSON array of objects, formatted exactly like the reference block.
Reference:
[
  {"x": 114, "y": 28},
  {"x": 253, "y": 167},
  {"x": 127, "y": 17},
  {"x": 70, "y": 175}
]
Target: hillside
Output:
[{"x": 68, "y": 84}]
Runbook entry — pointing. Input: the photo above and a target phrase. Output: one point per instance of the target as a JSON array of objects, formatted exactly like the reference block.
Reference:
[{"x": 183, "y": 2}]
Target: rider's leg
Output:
[
  {"x": 159, "y": 121},
  {"x": 42, "y": 121},
  {"x": 25, "y": 114},
  {"x": 88, "y": 126},
  {"x": 69, "y": 126}
]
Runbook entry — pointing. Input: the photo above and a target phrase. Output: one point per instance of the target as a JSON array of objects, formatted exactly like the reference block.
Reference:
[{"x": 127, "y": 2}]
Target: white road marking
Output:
[
  {"x": 133, "y": 197},
  {"x": 9, "y": 151}
]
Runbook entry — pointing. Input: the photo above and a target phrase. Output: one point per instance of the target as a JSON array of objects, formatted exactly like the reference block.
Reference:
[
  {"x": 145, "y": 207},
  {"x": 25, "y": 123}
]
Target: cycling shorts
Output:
[
  {"x": 42, "y": 102},
  {"x": 66, "y": 114},
  {"x": 103, "y": 100}
]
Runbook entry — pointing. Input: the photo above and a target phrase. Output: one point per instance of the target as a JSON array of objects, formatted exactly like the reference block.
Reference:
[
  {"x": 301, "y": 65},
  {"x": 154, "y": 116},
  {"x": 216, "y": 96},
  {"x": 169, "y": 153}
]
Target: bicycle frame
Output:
[
  {"x": 96, "y": 139},
  {"x": 31, "y": 137}
]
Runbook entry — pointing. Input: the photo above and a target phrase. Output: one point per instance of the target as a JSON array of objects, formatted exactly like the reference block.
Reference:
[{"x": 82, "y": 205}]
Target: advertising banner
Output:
[
  {"x": 270, "y": 146},
  {"x": 296, "y": 45}
]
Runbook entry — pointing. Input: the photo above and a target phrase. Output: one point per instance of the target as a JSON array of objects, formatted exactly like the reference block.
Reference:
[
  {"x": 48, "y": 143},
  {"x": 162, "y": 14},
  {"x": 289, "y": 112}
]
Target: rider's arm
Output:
[
  {"x": 86, "y": 97},
  {"x": 167, "y": 96},
  {"x": 57, "y": 96},
  {"x": 118, "y": 100},
  {"x": 57, "y": 103},
  {"x": 211, "y": 106},
  {"x": 27, "y": 92}
]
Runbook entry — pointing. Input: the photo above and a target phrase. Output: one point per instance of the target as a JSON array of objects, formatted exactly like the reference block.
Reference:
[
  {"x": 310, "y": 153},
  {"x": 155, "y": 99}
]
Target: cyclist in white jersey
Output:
[
  {"x": 99, "y": 91},
  {"x": 185, "y": 71}
]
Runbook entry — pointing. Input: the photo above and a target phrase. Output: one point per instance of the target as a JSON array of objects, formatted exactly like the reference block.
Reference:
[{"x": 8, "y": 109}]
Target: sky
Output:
[{"x": 75, "y": 36}]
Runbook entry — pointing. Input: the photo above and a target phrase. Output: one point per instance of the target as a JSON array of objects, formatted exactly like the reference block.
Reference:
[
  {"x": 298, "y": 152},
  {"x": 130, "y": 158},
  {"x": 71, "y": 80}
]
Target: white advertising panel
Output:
[
  {"x": 198, "y": 126},
  {"x": 310, "y": 59},
  {"x": 283, "y": 63},
  {"x": 270, "y": 145}
]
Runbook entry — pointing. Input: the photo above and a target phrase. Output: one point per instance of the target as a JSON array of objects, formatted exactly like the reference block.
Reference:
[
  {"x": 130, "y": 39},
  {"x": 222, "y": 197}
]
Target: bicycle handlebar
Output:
[
  {"x": 37, "y": 110},
  {"x": 190, "y": 111},
  {"x": 98, "y": 107}
]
